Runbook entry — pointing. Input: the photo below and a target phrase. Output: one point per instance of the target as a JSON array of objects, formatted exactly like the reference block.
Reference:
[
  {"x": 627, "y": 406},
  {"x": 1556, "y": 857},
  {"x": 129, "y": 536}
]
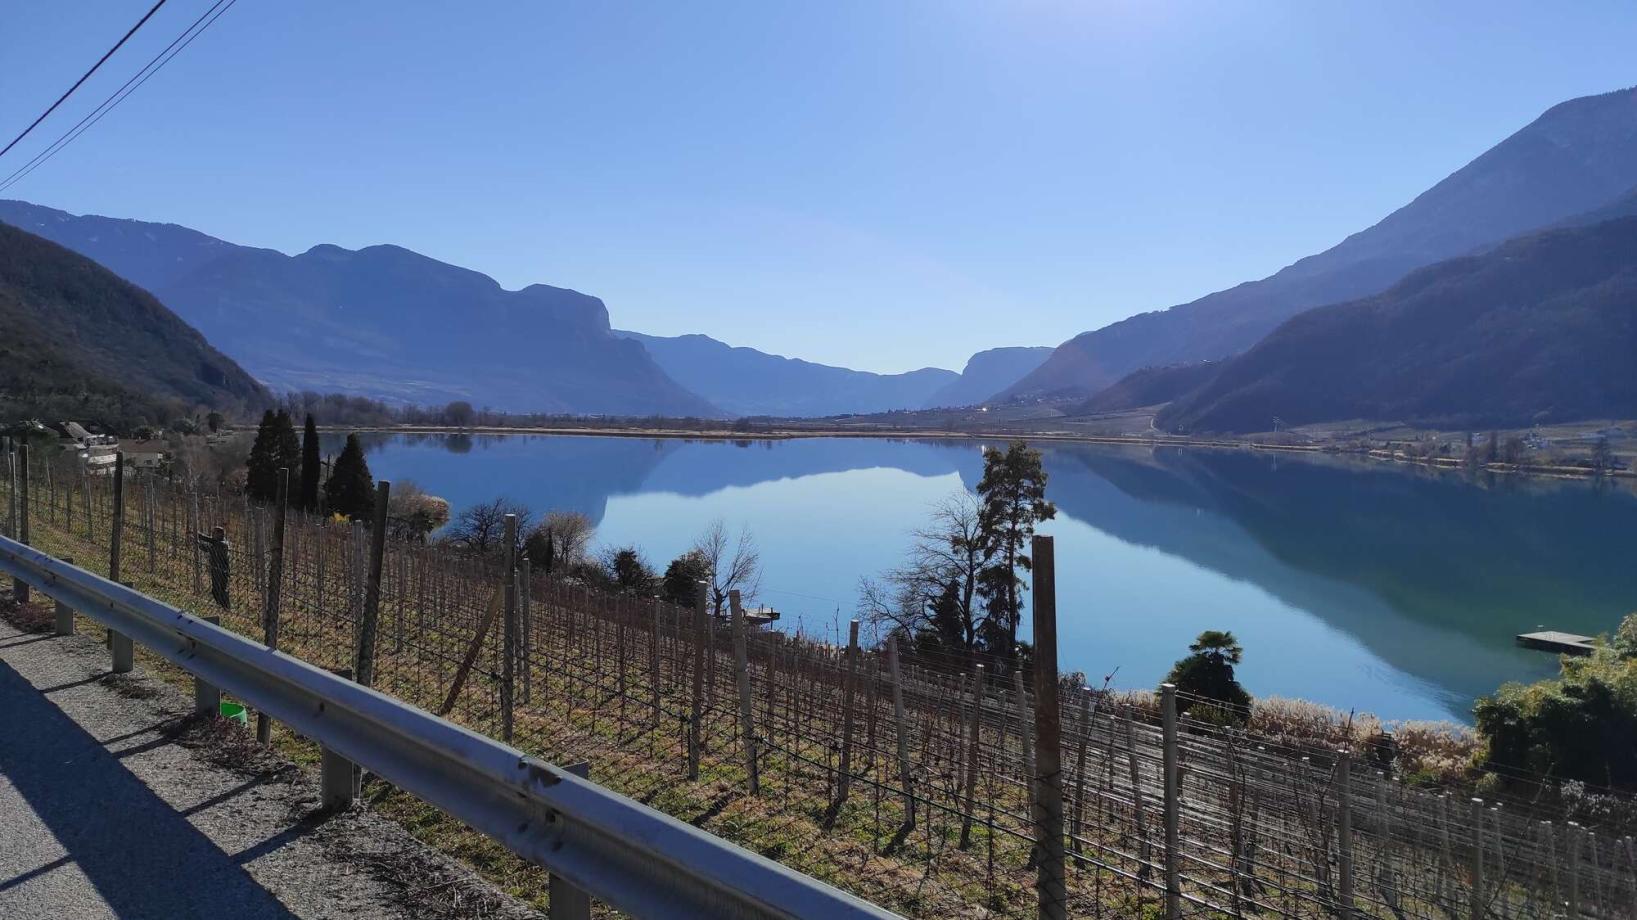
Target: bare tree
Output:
[
  {"x": 559, "y": 542},
  {"x": 934, "y": 597},
  {"x": 481, "y": 528},
  {"x": 735, "y": 565},
  {"x": 413, "y": 513}
]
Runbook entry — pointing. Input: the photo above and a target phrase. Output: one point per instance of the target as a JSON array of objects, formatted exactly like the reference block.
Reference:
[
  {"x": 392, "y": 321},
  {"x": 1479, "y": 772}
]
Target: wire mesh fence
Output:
[{"x": 907, "y": 781}]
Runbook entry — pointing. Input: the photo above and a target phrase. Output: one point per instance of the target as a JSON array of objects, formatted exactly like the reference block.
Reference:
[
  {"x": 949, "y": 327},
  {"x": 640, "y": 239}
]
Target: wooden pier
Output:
[{"x": 1561, "y": 643}]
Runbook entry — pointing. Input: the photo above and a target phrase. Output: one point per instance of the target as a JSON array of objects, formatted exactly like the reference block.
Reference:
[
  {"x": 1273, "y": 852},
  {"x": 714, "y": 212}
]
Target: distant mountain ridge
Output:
[
  {"x": 1576, "y": 157},
  {"x": 83, "y": 344},
  {"x": 987, "y": 373},
  {"x": 380, "y": 321},
  {"x": 744, "y": 381},
  {"x": 1541, "y": 329}
]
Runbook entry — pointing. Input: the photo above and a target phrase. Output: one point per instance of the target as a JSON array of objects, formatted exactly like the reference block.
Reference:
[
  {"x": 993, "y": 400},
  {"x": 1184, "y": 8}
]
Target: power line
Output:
[
  {"x": 82, "y": 79},
  {"x": 177, "y": 45}
]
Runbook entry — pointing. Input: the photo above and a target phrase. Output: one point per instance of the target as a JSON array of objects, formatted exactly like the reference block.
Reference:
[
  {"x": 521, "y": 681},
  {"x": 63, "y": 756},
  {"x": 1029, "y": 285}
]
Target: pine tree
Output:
[
  {"x": 351, "y": 490},
  {"x": 310, "y": 472},
  {"x": 1013, "y": 493},
  {"x": 261, "y": 470}
]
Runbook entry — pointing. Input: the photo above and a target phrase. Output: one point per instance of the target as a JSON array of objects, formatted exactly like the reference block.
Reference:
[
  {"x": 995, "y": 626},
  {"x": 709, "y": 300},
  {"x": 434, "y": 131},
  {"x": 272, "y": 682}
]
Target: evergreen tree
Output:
[
  {"x": 1013, "y": 495},
  {"x": 261, "y": 470},
  {"x": 310, "y": 470},
  {"x": 351, "y": 490},
  {"x": 682, "y": 577},
  {"x": 286, "y": 453}
]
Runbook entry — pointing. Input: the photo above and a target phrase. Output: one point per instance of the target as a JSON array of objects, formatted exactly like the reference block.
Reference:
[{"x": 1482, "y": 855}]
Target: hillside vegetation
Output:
[
  {"x": 1542, "y": 329},
  {"x": 81, "y": 343}
]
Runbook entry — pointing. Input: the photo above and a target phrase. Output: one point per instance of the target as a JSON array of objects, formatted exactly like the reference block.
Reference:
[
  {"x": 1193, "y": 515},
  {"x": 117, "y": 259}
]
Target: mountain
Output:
[
  {"x": 1541, "y": 329},
  {"x": 987, "y": 373},
  {"x": 380, "y": 321},
  {"x": 745, "y": 381},
  {"x": 83, "y": 344},
  {"x": 1578, "y": 156},
  {"x": 1150, "y": 386}
]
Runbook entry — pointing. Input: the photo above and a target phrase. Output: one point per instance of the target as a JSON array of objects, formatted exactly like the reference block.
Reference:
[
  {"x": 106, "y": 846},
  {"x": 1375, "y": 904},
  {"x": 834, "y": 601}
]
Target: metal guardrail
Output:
[{"x": 625, "y": 854}]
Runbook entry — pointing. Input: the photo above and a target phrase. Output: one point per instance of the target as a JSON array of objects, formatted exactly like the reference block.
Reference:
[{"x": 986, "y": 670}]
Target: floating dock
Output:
[{"x": 1561, "y": 643}]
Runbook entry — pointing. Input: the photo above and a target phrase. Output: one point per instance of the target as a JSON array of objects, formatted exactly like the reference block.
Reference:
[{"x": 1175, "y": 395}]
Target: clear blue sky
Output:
[{"x": 882, "y": 184}]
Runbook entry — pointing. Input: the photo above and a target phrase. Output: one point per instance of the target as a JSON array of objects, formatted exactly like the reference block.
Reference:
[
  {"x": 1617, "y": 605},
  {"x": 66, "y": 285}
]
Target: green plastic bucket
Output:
[{"x": 235, "y": 712}]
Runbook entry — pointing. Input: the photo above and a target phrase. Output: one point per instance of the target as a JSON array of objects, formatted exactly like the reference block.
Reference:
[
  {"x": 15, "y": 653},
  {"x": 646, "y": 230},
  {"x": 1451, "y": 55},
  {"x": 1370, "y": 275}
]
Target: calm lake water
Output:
[{"x": 1378, "y": 588}]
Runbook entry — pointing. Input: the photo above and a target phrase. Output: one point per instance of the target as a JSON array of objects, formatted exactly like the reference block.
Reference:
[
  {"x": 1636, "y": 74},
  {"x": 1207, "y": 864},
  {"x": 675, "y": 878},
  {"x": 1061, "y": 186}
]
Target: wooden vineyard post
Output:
[
  {"x": 849, "y": 698},
  {"x": 747, "y": 724},
  {"x": 369, "y": 623},
  {"x": 1344, "y": 829},
  {"x": 696, "y": 711},
  {"x": 1476, "y": 901},
  {"x": 902, "y": 730},
  {"x": 1046, "y": 776},
  {"x": 653, "y": 657},
  {"x": 1173, "y": 810},
  {"x": 508, "y": 650},
  {"x": 118, "y": 533},
  {"x": 970, "y": 797},
  {"x": 275, "y": 587},
  {"x": 1025, "y": 728},
  {"x": 525, "y": 604},
  {"x": 11, "y": 493},
  {"x": 19, "y": 587}
]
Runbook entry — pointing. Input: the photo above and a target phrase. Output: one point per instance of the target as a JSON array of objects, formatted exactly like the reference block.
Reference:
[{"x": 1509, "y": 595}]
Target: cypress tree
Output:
[
  {"x": 287, "y": 451},
  {"x": 261, "y": 470},
  {"x": 309, "y": 466},
  {"x": 351, "y": 490}
]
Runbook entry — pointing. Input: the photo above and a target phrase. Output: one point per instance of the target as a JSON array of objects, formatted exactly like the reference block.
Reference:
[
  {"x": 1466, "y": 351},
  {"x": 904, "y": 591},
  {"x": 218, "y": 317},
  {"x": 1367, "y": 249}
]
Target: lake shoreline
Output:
[{"x": 1449, "y": 464}]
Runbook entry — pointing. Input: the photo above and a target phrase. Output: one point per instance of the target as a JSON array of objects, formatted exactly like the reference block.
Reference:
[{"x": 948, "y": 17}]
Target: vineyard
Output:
[{"x": 909, "y": 782}]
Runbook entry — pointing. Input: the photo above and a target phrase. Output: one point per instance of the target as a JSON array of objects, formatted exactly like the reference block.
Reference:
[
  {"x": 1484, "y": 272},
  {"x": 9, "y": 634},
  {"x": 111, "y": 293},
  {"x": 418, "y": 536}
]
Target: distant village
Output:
[{"x": 153, "y": 449}]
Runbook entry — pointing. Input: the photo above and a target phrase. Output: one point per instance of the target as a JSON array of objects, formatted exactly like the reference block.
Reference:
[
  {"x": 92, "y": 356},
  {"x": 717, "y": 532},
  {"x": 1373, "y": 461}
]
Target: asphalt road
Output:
[{"x": 102, "y": 815}]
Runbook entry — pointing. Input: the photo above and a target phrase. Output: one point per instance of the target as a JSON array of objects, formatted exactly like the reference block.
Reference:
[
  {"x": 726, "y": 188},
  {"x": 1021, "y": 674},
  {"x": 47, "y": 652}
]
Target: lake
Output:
[{"x": 1374, "y": 587}]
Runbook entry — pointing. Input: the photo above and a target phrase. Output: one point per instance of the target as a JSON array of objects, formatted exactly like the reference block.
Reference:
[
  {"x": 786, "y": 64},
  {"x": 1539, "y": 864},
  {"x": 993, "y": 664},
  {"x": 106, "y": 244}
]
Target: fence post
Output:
[
  {"x": 1572, "y": 836},
  {"x": 525, "y": 636},
  {"x": 697, "y": 710},
  {"x": 566, "y": 902},
  {"x": 65, "y": 613},
  {"x": 1476, "y": 904},
  {"x": 844, "y": 780},
  {"x": 11, "y": 494},
  {"x": 973, "y": 739},
  {"x": 902, "y": 729},
  {"x": 19, "y": 587},
  {"x": 275, "y": 591},
  {"x": 207, "y": 699},
  {"x": 747, "y": 725},
  {"x": 369, "y": 620},
  {"x": 508, "y": 633},
  {"x": 1046, "y": 780},
  {"x": 1173, "y": 805},
  {"x": 653, "y": 658},
  {"x": 1344, "y": 829},
  {"x": 1025, "y": 727}
]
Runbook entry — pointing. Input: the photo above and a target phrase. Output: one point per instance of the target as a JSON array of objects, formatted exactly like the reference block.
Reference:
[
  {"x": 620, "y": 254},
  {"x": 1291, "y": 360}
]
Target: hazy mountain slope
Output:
[
  {"x": 745, "y": 381},
  {"x": 1576, "y": 157},
  {"x": 1150, "y": 386},
  {"x": 987, "y": 373},
  {"x": 382, "y": 321},
  {"x": 1540, "y": 329},
  {"x": 81, "y": 343}
]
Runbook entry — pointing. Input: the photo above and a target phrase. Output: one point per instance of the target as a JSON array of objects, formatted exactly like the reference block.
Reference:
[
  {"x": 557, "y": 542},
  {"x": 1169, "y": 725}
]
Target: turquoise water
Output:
[{"x": 1379, "y": 588}]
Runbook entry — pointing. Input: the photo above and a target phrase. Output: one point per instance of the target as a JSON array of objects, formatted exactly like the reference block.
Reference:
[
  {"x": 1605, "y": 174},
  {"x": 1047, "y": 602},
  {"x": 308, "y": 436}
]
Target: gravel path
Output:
[{"x": 108, "y": 810}]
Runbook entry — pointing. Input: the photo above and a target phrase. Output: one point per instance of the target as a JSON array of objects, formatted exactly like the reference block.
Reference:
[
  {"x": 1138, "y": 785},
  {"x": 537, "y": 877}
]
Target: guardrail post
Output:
[
  {"x": 275, "y": 591},
  {"x": 19, "y": 587},
  {"x": 566, "y": 901},
  {"x": 364, "y": 658},
  {"x": 844, "y": 781},
  {"x": 508, "y": 664},
  {"x": 121, "y": 650},
  {"x": 747, "y": 725},
  {"x": 1047, "y": 781},
  {"x": 1173, "y": 805},
  {"x": 902, "y": 730},
  {"x": 338, "y": 777},
  {"x": 696, "y": 711},
  {"x": 1344, "y": 829},
  {"x": 207, "y": 699},
  {"x": 65, "y": 613}
]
